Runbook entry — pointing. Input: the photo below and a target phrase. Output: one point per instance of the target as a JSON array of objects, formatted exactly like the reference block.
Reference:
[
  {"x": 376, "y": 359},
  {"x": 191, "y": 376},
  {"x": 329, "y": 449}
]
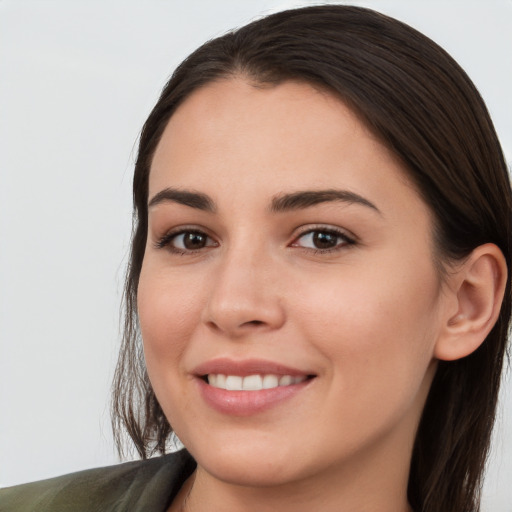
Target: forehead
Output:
[{"x": 231, "y": 135}]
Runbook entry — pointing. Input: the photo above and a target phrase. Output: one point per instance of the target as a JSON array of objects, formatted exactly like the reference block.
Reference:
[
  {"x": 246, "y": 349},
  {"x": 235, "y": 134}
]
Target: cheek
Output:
[
  {"x": 377, "y": 326},
  {"x": 169, "y": 310}
]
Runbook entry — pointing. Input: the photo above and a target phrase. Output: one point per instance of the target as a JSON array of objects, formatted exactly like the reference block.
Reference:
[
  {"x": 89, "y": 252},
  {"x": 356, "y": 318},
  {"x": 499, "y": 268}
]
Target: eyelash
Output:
[
  {"x": 342, "y": 236},
  {"x": 166, "y": 240}
]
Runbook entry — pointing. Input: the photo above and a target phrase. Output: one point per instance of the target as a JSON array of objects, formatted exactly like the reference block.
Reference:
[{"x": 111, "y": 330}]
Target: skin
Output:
[{"x": 364, "y": 318}]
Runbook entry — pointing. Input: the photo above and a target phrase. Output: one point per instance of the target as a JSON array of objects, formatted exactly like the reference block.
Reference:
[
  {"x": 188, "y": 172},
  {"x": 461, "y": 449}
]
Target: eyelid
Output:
[
  {"x": 308, "y": 228},
  {"x": 348, "y": 237},
  {"x": 164, "y": 241}
]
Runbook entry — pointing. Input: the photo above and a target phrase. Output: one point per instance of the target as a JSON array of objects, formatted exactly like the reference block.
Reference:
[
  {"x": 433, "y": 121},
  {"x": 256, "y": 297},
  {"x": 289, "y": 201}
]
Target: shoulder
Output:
[{"x": 147, "y": 485}]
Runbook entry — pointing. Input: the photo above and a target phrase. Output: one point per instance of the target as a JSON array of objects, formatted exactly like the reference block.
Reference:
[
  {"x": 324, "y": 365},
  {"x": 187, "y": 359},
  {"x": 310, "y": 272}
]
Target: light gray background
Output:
[{"x": 77, "y": 80}]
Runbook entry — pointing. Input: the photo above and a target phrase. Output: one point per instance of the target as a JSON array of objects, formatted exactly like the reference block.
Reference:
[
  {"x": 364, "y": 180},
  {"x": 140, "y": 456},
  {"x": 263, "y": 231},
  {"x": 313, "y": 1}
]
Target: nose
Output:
[{"x": 244, "y": 297}]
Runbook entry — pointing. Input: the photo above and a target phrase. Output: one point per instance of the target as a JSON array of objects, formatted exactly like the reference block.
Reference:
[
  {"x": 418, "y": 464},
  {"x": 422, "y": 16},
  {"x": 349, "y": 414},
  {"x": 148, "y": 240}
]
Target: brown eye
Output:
[
  {"x": 192, "y": 240},
  {"x": 186, "y": 241},
  {"x": 323, "y": 240}
]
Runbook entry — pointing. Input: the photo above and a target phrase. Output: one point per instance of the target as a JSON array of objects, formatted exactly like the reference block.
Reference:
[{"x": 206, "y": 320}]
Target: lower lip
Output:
[{"x": 247, "y": 403}]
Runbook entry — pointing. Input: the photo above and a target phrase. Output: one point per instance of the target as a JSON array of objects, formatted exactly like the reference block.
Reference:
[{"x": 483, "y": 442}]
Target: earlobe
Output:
[{"x": 478, "y": 286}]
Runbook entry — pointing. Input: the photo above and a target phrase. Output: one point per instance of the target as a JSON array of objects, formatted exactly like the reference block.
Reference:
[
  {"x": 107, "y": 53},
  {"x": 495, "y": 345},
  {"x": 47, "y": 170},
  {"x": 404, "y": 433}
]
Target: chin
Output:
[
  {"x": 256, "y": 471},
  {"x": 253, "y": 462}
]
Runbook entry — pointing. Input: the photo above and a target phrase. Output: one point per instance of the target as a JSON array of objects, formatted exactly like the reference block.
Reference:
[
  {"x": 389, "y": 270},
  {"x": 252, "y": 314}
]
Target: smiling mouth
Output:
[
  {"x": 255, "y": 382},
  {"x": 249, "y": 387}
]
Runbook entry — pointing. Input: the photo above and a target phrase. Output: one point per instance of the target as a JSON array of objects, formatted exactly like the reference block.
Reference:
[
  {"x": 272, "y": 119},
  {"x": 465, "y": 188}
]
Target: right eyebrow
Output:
[{"x": 188, "y": 198}]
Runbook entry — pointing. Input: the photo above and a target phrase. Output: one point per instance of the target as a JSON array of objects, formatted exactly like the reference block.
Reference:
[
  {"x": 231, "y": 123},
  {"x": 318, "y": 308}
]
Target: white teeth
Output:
[
  {"x": 285, "y": 380},
  {"x": 221, "y": 381},
  {"x": 252, "y": 382},
  {"x": 234, "y": 383},
  {"x": 270, "y": 381}
]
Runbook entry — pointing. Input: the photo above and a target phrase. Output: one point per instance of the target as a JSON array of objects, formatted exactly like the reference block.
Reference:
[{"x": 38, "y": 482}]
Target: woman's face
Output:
[{"x": 287, "y": 255}]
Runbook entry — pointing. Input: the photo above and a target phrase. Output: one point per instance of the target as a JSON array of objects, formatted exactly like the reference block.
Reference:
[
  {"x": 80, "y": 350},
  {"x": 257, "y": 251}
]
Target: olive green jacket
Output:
[{"x": 140, "y": 486}]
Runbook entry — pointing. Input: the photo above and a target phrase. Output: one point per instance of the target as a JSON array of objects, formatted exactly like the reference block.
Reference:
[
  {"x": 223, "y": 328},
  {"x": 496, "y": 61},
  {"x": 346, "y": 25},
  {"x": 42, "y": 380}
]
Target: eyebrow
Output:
[
  {"x": 185, "y": 197},
  {"x": 307, "y": 198},
  {"x": 280, "y": 203}
]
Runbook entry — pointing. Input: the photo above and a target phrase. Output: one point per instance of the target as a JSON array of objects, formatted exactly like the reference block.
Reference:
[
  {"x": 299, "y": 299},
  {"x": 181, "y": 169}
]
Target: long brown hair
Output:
[{"x": 423, "y": 106}]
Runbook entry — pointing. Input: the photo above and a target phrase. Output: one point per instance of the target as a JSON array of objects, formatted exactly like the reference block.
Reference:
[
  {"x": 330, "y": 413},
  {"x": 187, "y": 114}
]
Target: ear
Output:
[{"x": 477, "y": 288}]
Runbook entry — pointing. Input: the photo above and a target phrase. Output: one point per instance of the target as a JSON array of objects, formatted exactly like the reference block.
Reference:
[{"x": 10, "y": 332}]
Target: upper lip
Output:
[{"x": 246, "y": 367}]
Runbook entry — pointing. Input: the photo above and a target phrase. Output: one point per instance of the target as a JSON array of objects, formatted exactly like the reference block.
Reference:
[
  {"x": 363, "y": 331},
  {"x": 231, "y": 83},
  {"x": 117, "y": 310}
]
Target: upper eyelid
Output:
[
  {"x": 298, "y": 232},
  {"x": 308, "y": 228},
  {"x": 165, "y": 239},
  {"x": 303, "y": 229},
  {"x": 193, "y": 228}
]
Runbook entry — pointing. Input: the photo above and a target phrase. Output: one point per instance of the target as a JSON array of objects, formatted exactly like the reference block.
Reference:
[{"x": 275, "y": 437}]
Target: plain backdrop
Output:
[{"x": 77, "y": 80}]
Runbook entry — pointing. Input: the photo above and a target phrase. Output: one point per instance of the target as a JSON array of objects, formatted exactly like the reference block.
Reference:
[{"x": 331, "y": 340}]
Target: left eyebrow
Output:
[{"x": 305, "y": 199}]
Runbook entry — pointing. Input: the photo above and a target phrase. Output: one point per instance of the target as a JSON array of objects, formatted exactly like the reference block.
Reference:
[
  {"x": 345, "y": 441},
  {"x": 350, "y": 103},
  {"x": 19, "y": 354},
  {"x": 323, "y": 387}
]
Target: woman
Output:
[{"x": 319, "y": 275}]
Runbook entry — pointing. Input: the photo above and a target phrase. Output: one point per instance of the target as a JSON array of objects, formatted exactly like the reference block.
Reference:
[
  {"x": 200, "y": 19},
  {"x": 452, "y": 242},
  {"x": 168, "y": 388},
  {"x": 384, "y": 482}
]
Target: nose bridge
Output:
[{"x": 244, "y": 294}]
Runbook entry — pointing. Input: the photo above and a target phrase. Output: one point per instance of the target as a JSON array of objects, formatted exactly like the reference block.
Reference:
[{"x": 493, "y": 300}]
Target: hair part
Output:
[{"x": 418, "y": 101}]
